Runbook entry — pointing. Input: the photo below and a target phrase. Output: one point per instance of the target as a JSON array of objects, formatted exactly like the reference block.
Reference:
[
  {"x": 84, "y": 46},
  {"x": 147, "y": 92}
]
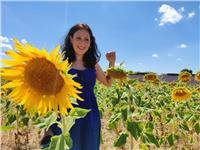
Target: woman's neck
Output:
[
  {"x": 78, "y": 63},
  {"x": 79, "y": 57}
]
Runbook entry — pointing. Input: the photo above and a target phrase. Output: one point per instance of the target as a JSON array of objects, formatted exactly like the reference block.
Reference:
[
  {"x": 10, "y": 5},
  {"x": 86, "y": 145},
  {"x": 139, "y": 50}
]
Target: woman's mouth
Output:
[{"x": 81, "y": 48}]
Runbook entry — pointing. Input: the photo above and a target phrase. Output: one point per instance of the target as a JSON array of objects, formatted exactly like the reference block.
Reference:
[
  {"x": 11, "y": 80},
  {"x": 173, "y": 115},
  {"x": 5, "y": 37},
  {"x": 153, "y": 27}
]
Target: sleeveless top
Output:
[{"x": 85, "y": 133}]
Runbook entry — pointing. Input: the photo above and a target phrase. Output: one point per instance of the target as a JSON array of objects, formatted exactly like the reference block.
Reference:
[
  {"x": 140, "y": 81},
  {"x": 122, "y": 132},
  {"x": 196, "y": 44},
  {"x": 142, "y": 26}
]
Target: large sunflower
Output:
[
  {"x": 39, "y": 80},
  {"x": 181, "y": 94}
]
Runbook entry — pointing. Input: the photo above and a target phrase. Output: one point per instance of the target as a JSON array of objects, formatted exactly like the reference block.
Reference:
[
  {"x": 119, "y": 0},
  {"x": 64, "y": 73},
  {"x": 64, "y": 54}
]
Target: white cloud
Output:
[
  {"x": 5, "y": 43},
  {"x": 179, "y": 59},
  {"x": 117, "y": 64},
  {"x": 182, "y": 9},
  {"x": 7, "y": 46},
  {"x": 155, "y": 19},
  {"x": 24, "y": 41},
  {"x": 169, "y": 15},
  {"x": 155, "y": 55},
  {"x": 191, "y": 14},
  {"x": 4, "y": 39},
  {"x": 182, "y": 46}
]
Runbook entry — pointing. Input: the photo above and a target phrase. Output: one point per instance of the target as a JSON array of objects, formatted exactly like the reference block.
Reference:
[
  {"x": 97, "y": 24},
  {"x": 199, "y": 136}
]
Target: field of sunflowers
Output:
[
  {"x": 153, "y": 114},
  {"x": 146, "y": 115}
]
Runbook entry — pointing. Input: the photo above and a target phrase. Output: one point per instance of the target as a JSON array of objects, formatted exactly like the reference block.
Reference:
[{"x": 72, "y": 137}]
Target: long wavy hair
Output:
[{"x": 91, "y": 57}]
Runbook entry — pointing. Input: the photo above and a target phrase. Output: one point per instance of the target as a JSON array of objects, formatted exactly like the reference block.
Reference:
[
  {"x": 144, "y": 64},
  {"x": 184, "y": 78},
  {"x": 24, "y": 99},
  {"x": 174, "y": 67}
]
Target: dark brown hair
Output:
[{"x": 91, "y": 57}]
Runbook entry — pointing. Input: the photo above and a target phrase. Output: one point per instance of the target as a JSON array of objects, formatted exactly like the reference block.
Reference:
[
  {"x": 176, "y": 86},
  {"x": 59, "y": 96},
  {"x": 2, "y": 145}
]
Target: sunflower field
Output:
[
  {"x": 152, "y": 114},
  {"x": 135, "y": 115}
]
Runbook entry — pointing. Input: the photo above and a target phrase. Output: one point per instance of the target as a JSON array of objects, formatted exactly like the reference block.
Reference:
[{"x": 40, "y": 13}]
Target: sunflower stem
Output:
[{"x": 63, "y": 125}]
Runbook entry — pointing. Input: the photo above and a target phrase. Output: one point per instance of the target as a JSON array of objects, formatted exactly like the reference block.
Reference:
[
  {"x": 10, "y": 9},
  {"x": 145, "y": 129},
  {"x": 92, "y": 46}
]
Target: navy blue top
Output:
[{"x": 85, "y": 133}]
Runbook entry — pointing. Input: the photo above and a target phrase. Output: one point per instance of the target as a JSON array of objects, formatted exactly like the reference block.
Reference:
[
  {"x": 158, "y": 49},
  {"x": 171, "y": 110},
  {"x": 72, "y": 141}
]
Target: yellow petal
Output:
[
  {"x": 55, "y": 52},
  {"x": 12, "y": 84}
]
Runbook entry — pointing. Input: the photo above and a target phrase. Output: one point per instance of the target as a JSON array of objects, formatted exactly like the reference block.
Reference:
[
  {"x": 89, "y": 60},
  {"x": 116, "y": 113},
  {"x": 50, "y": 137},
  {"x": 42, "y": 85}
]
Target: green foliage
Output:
[
  {"x": 149, "y": 114},
  {"x": 135, "y": 128},
  {"x": 121, "y": 139}
]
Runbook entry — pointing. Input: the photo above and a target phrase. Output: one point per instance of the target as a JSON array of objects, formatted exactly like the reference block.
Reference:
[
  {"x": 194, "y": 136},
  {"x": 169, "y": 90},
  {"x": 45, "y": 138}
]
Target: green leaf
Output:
[
  {"x": 73, "y": 100},
  {"x": 161, "y": 140},
  {"x": 61, "y": 142},
  {"x": 134, "y": 128},
  {"x": 25, "y": 121},
  {"x": 11, "y": 119},
  {"x": 47, "y": 121},
  {"x": 69, "y": 120},
  {"x": 79, "y": 112},
  {"x": 113, "y": 120},
  {"x": 121, "y": 140},
  {"x": 152, "y": 139},
  {"x": 143, "y": 147},
  {"x": 124, "y": 113},
  {"x": 115, "y": 101},
  {"x": 184, "y": 126},
  {"x": 171, "y": 139},
  {"x": 157, "y": 113},
  {"x": 197, "y": 128},
  {"x": 149, "y": 127},
  {"x": 6, "y": 128},
  {"x": 22, "y": 112}
]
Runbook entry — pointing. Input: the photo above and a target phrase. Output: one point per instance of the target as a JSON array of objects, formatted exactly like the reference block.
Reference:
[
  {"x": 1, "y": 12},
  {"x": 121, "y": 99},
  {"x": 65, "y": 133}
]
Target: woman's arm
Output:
[{"x": 101, "y": 76}]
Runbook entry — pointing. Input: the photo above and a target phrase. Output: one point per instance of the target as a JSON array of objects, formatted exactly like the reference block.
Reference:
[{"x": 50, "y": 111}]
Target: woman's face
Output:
[{"x": 81, "y": 41}]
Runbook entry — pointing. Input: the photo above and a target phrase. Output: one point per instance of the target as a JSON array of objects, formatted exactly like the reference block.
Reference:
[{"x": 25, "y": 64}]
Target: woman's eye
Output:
[{"x": 78, "y": 38}]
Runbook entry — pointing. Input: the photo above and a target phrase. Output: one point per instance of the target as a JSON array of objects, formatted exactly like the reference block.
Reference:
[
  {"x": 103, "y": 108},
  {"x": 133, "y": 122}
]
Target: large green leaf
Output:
[
  {"x": 79, "y": 113},
  {"x": 60, "y": 142},
  {"x": 135, "y": 128},
  {"x": 197, "y": 128},
  {"x": 47, "y": 121},
  {"x": 121, "y": 139},
  {"x": 152, "y": 139},
  {"x": 69, "y": 122}
]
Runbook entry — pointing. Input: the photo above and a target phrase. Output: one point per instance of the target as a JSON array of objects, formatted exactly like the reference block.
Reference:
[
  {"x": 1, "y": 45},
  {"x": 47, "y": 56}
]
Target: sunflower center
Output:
[
  {"x": 185, "y": 76},
  {"x": 181, "y": 93},
  {"x": 43, "y": 76},
  {"x": 150, "y": 77}
]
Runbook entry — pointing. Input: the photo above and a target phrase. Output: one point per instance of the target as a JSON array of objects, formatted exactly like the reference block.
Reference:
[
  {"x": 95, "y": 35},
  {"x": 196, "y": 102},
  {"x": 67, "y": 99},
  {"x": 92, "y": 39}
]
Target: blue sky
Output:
[{"x": 161, "y": 37}]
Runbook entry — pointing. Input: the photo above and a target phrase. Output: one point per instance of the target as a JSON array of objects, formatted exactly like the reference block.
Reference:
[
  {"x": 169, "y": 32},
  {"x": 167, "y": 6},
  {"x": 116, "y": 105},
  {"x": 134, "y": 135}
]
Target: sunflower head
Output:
[
  {"x": 151, "y": 77},
  {"x": 39, "y": 80},
  {"x": 184, "y": 76},
  {"x": 181, "y": 94},
  {"x": 117, "y": 73},
  {"x": 197, "y": 76}
]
